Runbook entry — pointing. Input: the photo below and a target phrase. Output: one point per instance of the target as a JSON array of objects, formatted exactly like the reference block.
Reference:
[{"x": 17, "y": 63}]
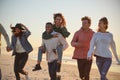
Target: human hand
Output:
[
  {"x": 8, "y": 49},
  {"x": 24, "y": 26},
  {"x": 55, "y": 35},
  {"x": 89, "y": 58}
]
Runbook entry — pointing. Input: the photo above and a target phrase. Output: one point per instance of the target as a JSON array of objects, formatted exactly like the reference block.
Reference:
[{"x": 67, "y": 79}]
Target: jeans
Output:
[
  {"x": 103, "y": 65},
  {"x": 19, "y": 63},
  {"x": 39, "y": 54},
  {"x": 84, "y": 67},
  {"x": 52, "y": 66},
  {"x": 59, "y": 51}
]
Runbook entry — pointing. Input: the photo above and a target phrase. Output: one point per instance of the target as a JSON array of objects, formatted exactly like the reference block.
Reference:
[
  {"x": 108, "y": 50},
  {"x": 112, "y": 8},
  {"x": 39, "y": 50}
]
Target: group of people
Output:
[{"x": 86, "y": 42}]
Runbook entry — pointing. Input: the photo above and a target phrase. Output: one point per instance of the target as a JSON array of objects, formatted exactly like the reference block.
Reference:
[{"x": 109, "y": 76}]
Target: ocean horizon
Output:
[{"x": 67, "y": 59}]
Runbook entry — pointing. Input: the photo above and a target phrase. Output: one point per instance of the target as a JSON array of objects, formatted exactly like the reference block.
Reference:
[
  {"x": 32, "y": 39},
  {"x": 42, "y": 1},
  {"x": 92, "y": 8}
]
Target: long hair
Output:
[
  {"x": 105, "y": 21},
  {"x": 14, "y": 32},
  {"x": 60, "y": 15}
]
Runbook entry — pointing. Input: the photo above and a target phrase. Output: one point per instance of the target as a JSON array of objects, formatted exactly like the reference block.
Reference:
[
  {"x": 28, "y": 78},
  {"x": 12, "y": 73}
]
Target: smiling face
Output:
[
  {"x": 49, "y": 28},
  {"x": 103, "y": 24},
  {"x": 85, "y": 24},
  {"x": 58, "y": 21}
]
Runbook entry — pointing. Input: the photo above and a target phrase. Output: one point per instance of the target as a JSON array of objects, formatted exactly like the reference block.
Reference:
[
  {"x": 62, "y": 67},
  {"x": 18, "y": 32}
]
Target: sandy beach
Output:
[{"x": 68, "y": 72}]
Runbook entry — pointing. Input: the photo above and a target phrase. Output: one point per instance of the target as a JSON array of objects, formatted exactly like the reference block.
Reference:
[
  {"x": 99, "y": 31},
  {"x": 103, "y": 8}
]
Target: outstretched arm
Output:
[{"x": 113, "y": 47}]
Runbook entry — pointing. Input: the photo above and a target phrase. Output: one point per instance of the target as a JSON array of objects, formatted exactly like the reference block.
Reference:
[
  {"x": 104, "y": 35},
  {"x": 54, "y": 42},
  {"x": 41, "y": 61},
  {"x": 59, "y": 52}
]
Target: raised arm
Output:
[
  {"x": 5, "y": 35},
  {"x": 26, "y": 32}
]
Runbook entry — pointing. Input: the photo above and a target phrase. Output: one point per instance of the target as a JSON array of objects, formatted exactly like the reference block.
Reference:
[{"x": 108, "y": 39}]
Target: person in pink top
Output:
[{"x": 81, "y": 43}]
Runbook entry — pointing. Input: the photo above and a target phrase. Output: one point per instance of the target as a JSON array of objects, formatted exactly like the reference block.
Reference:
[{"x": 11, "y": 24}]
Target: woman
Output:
[
  {"x": 59, "y": 26},
  {"x": 101, "y": 40},
  {"x": 21, "y": 48}
]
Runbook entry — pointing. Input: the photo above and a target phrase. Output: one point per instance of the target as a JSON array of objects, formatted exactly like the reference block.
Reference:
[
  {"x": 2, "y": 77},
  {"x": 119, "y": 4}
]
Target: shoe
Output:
[
  {"x": 37, "y": 67},
  {"x": 58, "y": 67},
  {"x": 58, "y": 77}
]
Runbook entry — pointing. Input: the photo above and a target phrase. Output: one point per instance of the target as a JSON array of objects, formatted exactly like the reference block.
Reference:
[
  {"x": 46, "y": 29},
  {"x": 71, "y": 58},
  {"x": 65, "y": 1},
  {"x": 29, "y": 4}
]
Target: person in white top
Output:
[
  {"x": 51, "y": 53},
  {"x": 100, "y": 44}
]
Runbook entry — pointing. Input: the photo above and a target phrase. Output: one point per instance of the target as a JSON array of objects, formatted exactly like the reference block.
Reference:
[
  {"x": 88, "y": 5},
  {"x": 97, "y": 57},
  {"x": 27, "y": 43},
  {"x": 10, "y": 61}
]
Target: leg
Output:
[
  {"x": 37, "y": 66},
  {"x": 87, "y": 69},
  {"x": 39, "y": 55},
  {"x": 52, "y": 69},
  {"x": 16, "y": 64},
  {"x": 80, "y": 63},
  {"x": 60, "y": 52},
  {"x": 99, "y": 62},
  {"x": 105, "y": 68},
  {"x": 22, "y": 62}
]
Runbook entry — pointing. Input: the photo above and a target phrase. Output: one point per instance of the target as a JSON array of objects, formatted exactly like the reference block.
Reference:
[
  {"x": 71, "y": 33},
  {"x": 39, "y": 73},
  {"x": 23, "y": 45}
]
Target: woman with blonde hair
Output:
[{"x": 101, "y": 41}]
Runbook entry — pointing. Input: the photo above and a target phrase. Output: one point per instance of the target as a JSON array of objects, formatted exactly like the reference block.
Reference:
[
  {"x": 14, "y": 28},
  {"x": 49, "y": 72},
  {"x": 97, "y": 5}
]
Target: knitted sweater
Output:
[{"x": 100, "y": 44}]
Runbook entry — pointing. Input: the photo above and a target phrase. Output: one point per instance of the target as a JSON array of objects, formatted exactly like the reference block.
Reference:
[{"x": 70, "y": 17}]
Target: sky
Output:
[{"x": 35, "y": 13}]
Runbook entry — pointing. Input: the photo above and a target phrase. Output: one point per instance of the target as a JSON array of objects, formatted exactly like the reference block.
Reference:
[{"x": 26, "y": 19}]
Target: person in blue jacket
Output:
[{"x": 21, "y": 48}]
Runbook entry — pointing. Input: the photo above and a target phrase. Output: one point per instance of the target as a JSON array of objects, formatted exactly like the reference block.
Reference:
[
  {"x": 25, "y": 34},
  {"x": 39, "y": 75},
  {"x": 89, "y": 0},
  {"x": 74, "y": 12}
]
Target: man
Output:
[
  {"x": 5, "y": 35},
  {"x": 81, "y": 42},
  {"x": 51, "y": 50}
]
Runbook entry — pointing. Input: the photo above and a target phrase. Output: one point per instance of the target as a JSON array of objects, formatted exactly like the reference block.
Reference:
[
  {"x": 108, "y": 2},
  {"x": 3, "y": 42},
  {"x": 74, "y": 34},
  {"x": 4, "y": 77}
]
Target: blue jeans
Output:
[
  {"x": 59, "y": 51},
  {"x": 52, "y": 66},
  {"x": 103, "y": 65}
]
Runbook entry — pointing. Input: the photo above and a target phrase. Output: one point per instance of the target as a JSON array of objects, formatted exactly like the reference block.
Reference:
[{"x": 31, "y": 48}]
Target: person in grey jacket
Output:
[
  {"x": 5, "y": 35},
  {"x": 21, "y": 48}
]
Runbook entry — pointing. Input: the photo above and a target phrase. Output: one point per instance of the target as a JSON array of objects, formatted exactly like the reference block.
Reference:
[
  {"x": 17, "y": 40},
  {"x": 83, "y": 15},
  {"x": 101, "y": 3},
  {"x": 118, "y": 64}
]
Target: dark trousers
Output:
[
  {"x": 84, "y": 67},
  {"x": 103, "y": 65},
  {"x": 52, "y": 66},
  {"x": 19, "y": 63}
]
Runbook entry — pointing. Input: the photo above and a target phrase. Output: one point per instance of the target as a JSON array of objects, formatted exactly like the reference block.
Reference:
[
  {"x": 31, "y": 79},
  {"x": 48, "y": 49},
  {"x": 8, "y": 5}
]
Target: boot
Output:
[{"x": 37, "y": 67}]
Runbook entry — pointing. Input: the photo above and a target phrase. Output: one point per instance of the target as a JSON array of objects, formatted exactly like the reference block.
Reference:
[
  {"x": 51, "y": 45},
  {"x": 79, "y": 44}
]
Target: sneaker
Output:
[
  {"x": 37, "y": 67},
  {"x": 58, "y": 77},
  {"x": 27, "y": 77},
  {"x": 58, "y": 67}
]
